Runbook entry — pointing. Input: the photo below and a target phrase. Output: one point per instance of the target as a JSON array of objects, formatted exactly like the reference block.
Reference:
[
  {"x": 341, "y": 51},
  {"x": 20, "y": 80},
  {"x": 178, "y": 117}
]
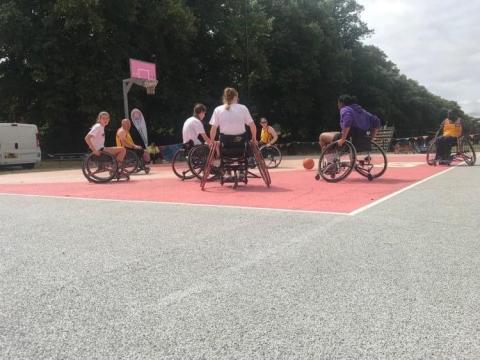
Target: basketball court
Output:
[{"x": 293, "y": 188}]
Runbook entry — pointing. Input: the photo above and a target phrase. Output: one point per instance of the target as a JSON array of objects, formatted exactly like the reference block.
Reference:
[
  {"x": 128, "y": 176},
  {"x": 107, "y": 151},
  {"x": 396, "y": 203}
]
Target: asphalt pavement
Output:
[{"x": 90, "y": 279}]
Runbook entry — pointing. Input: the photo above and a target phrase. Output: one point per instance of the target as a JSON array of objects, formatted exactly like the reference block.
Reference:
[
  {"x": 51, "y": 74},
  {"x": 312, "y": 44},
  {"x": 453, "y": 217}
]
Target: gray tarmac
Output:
[{"x": 86, "y": 279}]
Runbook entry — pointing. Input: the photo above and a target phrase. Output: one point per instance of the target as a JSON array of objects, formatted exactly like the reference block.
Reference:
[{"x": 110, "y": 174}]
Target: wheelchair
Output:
[
  {"x": 103, "y": 168},
  {"x": 134, "y": 162},
  {"x": 337, "y": 162},
  {"x": 461, "y": 151},
  {"x": 272, "y": 156},
  {"x": 189, "y": 161},
  {"x": 235, "y": 161}
]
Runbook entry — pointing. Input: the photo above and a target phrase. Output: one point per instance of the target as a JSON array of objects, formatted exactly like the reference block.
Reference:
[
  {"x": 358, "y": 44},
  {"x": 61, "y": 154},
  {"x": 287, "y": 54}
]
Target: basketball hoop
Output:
[
  {"x": 142, "y": 74},
  {"x": 150, "y": 85}
]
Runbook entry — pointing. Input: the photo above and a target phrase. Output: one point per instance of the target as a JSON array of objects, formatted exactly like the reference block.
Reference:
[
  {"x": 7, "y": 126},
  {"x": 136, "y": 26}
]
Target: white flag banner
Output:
[{"x": 139, "y": 122}]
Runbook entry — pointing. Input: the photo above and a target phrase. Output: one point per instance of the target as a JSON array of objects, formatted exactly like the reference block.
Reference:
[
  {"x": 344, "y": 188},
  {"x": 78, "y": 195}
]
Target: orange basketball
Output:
[{"x": 308, "y": 164}]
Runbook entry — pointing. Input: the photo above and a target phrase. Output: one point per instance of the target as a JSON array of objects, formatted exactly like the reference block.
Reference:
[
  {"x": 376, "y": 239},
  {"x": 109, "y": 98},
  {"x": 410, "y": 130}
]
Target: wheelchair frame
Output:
[
  {"x": 271, "y": 160},
  {"x": 134, "y": 163},
  {"x": 337, "y": 168},
  {"x": 459, "y": 155},
  {"x": 260, "y": 163},
  {"x": 104, "y": 170}
]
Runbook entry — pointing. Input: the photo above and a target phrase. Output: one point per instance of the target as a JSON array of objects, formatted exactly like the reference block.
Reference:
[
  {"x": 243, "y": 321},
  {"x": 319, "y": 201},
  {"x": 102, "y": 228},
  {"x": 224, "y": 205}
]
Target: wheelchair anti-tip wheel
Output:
[{"x": 336, "y": 162}]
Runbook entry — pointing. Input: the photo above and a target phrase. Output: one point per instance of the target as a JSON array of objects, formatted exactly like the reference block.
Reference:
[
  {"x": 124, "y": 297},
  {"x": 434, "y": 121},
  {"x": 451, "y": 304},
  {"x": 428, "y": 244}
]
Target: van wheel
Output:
[{"x": 28, "y": 166}]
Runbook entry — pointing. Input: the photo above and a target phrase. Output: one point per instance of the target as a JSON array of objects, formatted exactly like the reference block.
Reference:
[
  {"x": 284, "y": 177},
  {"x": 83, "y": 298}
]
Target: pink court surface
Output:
[{"x": 293, "y": 188}]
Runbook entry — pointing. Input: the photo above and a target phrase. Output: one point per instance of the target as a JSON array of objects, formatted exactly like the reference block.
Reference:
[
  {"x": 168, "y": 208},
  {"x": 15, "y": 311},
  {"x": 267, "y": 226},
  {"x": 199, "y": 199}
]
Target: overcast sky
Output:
[{"x": 436, "y": 42}]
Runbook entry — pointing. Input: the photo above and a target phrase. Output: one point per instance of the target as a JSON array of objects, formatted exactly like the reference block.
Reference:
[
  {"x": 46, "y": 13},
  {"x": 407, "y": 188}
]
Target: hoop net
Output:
[{"x": 150, "y": 86}]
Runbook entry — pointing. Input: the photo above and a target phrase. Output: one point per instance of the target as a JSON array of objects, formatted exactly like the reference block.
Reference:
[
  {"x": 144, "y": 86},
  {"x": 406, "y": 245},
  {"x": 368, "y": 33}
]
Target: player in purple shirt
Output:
[{"x": 354, "y": 122}]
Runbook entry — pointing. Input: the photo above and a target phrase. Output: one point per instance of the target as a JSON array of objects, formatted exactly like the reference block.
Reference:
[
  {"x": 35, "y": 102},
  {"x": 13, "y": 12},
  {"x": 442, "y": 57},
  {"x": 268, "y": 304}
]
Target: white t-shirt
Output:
[
  {"x": 191, "y": 129},
  {"x": 232, "y": 121},
  {"x": 98, "y": 138}
]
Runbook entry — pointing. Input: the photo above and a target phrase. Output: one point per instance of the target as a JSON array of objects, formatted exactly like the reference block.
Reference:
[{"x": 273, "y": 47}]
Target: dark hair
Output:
[
  {"x": 347, "y": 99},
  {"x": 453, "y": 114},
  {"x": 198, "y": 109}
]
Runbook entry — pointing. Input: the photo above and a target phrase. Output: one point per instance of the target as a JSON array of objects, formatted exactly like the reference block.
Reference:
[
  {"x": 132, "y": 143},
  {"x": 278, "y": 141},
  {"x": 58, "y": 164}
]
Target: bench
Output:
[
  {"x": 384, "y": 137},
  {"x": 67, "y": 156}
]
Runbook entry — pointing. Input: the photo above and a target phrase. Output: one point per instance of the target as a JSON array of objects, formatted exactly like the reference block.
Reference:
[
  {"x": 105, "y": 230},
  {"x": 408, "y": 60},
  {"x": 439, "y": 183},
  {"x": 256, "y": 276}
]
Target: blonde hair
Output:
[
  {"x": 100, "y": 114},
  {"x": 229, "y": 94}
]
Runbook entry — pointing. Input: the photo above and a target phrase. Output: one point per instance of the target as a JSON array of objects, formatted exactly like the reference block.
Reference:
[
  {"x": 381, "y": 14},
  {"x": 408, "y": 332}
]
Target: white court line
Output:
[
  {"x": 379, "y": 201},
  {"x": 353, "y": 213},
  {"x": 180, "y": 204}
]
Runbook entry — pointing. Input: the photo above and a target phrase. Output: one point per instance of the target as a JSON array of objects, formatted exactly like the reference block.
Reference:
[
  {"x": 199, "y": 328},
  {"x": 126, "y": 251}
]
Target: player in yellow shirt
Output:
[
  {"x": 124, "y": 139},
  {"x": 268, "y": 135},
  {"x": 451, "y": 129}
]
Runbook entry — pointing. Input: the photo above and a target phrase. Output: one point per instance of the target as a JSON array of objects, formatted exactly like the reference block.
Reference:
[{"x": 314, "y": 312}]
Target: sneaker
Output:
[{"x": 330, "y": 169}]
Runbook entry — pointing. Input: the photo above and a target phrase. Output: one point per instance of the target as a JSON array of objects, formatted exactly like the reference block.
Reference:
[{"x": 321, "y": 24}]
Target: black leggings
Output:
[{"x": 444, "y": 147}]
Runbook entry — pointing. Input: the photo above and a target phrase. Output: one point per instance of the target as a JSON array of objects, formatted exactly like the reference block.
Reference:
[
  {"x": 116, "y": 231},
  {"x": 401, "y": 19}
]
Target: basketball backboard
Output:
[{"x": 142, "y": 70}]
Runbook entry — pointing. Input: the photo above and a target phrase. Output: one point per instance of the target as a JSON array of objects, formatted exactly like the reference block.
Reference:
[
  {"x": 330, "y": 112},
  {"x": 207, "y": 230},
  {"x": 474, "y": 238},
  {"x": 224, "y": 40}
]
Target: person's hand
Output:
[
  {"x": 341, "y": 142},
  {"x": 97, "y": 152},
  {"x": 254, "y": 141},
  {"x": 138, "y": 147}
]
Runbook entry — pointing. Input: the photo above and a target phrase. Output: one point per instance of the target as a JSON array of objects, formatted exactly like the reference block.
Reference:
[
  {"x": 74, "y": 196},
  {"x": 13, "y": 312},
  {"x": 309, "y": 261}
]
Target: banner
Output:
[{"x": 139, "y": 122}]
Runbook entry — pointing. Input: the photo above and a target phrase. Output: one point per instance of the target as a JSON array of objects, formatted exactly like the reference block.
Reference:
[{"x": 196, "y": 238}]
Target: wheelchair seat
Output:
[{"x": 233, "y": 146}]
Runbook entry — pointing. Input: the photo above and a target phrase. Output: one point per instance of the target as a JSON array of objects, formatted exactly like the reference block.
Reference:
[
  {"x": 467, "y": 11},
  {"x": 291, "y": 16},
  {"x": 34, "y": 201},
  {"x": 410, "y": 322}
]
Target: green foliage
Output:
[{"x": 63, "y": 61}]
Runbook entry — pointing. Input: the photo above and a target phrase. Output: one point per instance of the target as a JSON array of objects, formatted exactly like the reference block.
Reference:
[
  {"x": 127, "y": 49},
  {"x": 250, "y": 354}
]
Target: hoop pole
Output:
[{"x": 126, "y": 88}]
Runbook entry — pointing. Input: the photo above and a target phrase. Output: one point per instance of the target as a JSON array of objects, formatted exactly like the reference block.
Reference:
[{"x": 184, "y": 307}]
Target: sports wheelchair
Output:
[
  {"x": 460, "y": 151},
  {"x": 272, "y": 155},
  {"x": 134, "y": 162},
  {"x": 103, "y": 168},
  {"x": 189, "y": 161},
  {"x": 236, "y": 160},
  {"x": 337, "y": 162}
]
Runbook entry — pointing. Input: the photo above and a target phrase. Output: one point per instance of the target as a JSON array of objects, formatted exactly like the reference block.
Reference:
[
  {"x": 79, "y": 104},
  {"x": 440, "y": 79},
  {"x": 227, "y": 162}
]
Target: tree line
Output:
[{"x": 63, "y": 61}]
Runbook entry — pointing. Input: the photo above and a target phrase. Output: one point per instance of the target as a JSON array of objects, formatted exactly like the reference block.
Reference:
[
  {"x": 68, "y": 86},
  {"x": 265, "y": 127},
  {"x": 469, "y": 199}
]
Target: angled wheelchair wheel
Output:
[
  {"x": 467, "y": 152},
  {"x": 336, "y": 162},
  {"x": 372, "y": 163},
  {"x": 271, "y": 155},
  {"x": 180, "y": 165},
  {"x": 432, "y": 153},
  {"x": 131, "y": 162},
  {"x": 197, "y": 160},
  {"x": 208, "y": 166},
  {"x": 100, "y": 169},
  {"x": 262, "y": 167}
]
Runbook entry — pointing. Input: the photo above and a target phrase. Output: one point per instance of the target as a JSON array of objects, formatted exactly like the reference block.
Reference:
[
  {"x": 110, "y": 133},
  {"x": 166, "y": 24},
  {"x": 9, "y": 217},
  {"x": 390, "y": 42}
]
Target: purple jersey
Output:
[{"x": 354, "y": 116}]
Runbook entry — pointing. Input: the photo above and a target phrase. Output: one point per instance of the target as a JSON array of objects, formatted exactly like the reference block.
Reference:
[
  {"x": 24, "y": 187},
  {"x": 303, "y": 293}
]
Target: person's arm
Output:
[
  {"x": 272, "y": 132},
  {"x": 88, "y": 140},
  {"x": 205, "y": 138},
  {"x": 213, "y": 132},
  {"x": 345, "y": 132},
  {"x": 253, "y": 130}
]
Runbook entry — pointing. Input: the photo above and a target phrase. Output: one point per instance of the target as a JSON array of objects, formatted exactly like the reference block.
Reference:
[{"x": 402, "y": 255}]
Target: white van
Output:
[{"x": 19, "y": 145}]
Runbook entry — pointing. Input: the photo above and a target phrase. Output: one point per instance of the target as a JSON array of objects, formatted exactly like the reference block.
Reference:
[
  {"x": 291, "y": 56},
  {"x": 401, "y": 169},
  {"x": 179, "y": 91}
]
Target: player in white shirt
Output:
[
  {"x": 95, "y": 138},
  {"x": 193, "y": 126},
  {"x": 231, "y": 117}
]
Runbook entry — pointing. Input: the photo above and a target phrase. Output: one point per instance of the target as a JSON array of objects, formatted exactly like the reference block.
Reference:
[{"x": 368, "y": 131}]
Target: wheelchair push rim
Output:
[
  {"x": 131, "y": 162},
  {"x": 197, "y": 160},
  {"x": 371, "y": 163},
  {"x": 336, "y": 162},
  {"x": 271, "y": 155},
  {"x": 180, "y": 165},
  {"x": 100, "y": 169}
]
